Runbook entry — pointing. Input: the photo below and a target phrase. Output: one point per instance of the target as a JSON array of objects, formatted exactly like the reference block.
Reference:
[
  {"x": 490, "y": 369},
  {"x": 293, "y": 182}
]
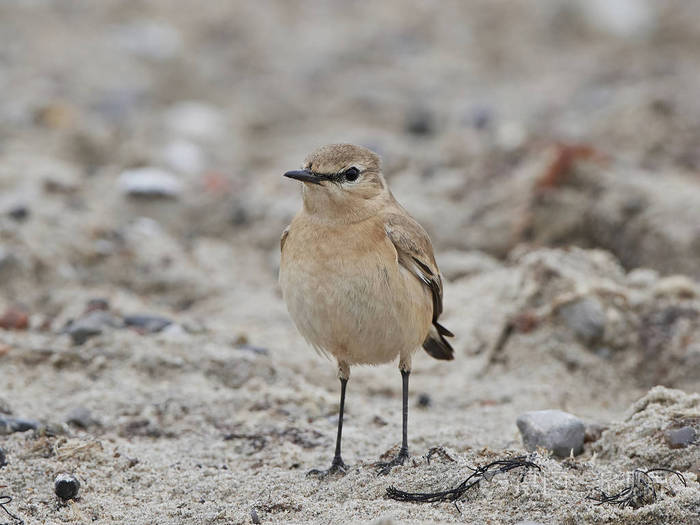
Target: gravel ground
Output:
[{"x": 552, "y": 154}]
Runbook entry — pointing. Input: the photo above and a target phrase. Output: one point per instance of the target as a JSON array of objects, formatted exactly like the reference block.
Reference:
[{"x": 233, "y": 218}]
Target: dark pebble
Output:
[
  {"x": 254, "y": 516},
  {"x": 89, "y": 326},
  {"x": 66, "y": 486},
  {"x": 146, "y": 323},
  {"x": 97, "y": 304},
  {"x": 8, "y": 425},
  {"x": 81, "y": 417},
  {"x": 681, "y": 437},
  {"x": 3, "y": 457},
  {"x": 424, "y": 400},
  {"x": 19, "y": 213},
  {"x": 419, "y": 122}
]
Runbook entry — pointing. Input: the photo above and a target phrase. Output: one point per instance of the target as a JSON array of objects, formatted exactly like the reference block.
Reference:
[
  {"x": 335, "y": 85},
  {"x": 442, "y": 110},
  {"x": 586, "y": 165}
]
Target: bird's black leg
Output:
[
  {"x": 337, "y": 466},
  {"x": 385, "y": 468}
]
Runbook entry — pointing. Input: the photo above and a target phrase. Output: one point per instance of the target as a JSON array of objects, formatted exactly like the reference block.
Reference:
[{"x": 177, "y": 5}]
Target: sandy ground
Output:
[{"x": 512, "y": 133}]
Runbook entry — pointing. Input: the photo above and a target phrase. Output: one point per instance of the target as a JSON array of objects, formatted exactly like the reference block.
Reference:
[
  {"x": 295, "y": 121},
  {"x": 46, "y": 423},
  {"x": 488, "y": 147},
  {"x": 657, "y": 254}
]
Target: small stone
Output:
[
  {"x": 14, "y": 319},
  {"x": 254, "y": 516},
  {"x": 420, "y": 122},
  {"x": 585, "y": 318},
  {"x": 196, "y": 120},
  {"x": 97, "y": 304},
  {"x": 150, "y": 182},
  {"x": 19, "y": 212},
  {"x": 154, "y": 40},
  {"x": 681, "y": 437},
  {"x": 81, "y": 417},
  {"x": 593, "y": 432},
  {"x": 424, "y": 400},
  {"x": 557, "y": 431},
  {"x": 66, "y": 486},
  {"x": 3, "y": 457},
  {"x": 8, "y": 425},
  {"x": 146, "y": 323},
  {"x": 89, "y": 326},
  {"x": 528, "y": 522},
  {"x": 183, "y": 156}
]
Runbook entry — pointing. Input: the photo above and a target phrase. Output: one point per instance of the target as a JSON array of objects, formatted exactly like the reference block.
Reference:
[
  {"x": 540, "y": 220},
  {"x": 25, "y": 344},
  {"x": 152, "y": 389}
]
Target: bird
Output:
[{"x": 358, "y": 275}]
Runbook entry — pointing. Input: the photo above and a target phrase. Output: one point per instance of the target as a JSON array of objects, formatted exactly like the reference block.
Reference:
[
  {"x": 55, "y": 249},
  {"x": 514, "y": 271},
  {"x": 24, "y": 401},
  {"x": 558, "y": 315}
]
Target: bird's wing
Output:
[
  {"x": 415, "y": 254},
  {"x": 284, "y": 238}
]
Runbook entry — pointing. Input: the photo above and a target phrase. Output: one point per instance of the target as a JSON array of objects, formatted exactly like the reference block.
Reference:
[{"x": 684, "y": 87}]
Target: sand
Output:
[{"x": 218, "y": 417}]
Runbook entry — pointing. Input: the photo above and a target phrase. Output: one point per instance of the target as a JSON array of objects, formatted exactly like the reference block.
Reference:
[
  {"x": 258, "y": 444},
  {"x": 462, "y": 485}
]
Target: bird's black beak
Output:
[{"x": 303, "y": 176}]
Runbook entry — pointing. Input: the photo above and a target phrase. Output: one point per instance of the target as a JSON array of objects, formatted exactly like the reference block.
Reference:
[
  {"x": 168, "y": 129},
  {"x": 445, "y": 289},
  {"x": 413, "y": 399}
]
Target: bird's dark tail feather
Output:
[{"x": 436, "y": 345}]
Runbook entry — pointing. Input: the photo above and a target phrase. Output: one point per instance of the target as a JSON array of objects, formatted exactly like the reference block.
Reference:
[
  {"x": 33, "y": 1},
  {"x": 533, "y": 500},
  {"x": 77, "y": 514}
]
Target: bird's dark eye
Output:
[{"x": 351, "y": 174}]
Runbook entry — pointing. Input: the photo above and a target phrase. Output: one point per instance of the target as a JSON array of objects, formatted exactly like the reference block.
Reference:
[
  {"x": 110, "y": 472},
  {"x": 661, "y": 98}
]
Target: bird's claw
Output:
[
  {"x": 337, "y": 468},
  {"x": 384, "y": 468}
]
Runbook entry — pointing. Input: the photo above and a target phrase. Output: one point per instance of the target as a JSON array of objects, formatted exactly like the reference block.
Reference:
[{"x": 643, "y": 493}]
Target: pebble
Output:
[
  {"x": 19, "y": 212},
  {"x": 149, "y": 182},
  {"x": 424, "y": 400},
  {"x": 195, "y": 120},
  {"x": 81, "y": 417},
  {"x": 585, "y": 318},
  {"x": 149, "y": 39},
  {"x": 3, "y": 457},
  {"x": 14, "y": 319},
  {"x": 183, "y": 156},
  {"x": 146, "y": 323},
  {"x": 419, "y": 122},
  {"x": 90, "y": 325},
  {"x": 681, "y": 437},
  {"x": 8, "y": 425},
  {"x": 97, "y": 304},
  {"x": 66, "y": 486},
  {"x": 593, "y": 432},
  {"x": 557, "y": 431}
]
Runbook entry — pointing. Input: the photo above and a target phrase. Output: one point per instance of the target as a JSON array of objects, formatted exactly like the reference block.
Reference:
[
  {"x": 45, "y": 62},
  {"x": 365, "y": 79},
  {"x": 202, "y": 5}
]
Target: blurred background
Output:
[{"x": 142, "y": 146}]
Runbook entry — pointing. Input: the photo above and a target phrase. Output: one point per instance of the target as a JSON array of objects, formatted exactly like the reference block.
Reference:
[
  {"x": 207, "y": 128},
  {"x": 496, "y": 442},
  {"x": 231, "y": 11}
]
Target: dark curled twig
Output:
[
  {"x": 5, "y": 500},
  {"x": 486, "y": 472},
  {"x": 641, "y": 492}
]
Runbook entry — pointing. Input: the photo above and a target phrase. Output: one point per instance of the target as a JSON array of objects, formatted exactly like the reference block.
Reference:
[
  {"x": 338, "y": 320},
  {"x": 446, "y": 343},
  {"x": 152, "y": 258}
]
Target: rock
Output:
[
  {"x": 149, "y": 39},
  {"x": 19, "y": 212},
  {"x": 8, "y": 425},
  {"x": 195, "y": 120},
  {"x": 183, "y": 156},
  {"x": 681, "y": 437},
  {"x": 528, "y": 522},
  {"x": 424, "y": 400},
  {"x": 90, "y": 325},
  {"x": 420, "y": 122},
  {"x": 585, "y": 318},
  {"x": 149, "y": 182},
  {"x": 146, "y": 323},
  {"x": 14, "y": 319},
  {"x": 66, "y": 486},
  {"x": 510, "y": 136},
  {"x": 620, "y": 18},
  {"x": 554, "y": 430},
  {"x": 97, "y": 304},
  {"x": 3, "y": 457},
  {"x": 593, "y": 432},
  {"x": 81, "y": 417}
]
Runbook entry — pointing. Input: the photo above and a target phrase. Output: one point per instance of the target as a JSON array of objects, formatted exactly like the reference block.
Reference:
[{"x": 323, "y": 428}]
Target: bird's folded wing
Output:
[
  {"x": 415, "y": 253},
  {"x": 284, "y": 238}
]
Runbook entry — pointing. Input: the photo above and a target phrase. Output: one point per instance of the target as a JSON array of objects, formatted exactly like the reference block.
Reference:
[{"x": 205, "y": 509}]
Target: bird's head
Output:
[{"x": 341, "y": 181}]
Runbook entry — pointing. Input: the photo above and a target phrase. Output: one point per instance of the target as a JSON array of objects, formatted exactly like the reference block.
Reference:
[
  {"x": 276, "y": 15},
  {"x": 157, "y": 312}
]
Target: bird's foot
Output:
[
  {"x": 337, "y": 468},
  {"x": 384, "y": 467}
]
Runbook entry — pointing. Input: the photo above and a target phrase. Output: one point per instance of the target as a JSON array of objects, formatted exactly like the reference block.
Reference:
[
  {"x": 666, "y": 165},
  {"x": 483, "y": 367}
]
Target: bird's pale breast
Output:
[{"x": 348, "y": 295}]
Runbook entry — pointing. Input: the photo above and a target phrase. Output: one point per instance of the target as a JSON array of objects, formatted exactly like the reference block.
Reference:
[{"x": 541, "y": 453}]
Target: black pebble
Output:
[
  {"x": 147, "y": 323},
  {"x": 3, "y": 457},
  {"x": 66, "y": 486},
  {"x": 424, "y": 400},
  {"x": 19, "y": 213},
  {"x": 419, "y": 122}
]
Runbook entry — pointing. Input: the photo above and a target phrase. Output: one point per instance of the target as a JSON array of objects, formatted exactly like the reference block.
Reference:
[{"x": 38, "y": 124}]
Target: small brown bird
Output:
[{"x": 358, "y": 274}]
